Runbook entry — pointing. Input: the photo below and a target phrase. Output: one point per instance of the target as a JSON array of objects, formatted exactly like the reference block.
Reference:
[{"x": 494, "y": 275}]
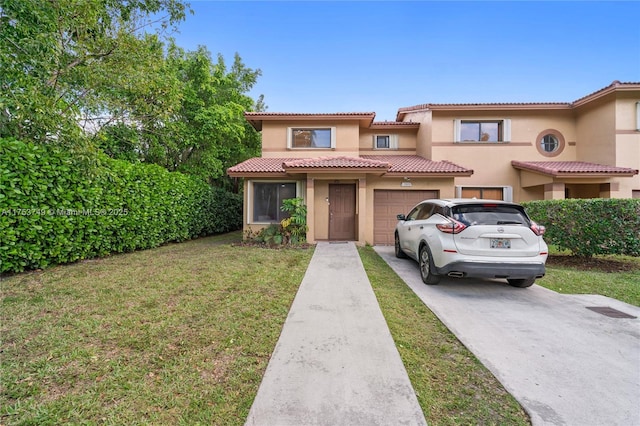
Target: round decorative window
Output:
[{"x": 550, "y": 143}]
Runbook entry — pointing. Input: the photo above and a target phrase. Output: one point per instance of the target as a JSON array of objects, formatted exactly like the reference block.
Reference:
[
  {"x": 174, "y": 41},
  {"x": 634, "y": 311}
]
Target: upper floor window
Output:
[
  {"x": 323, "y": 138},
  {"x": 482, "y": 130},
  {"x": 550, "y": 143},
  {"x": 385, "y": 141}
]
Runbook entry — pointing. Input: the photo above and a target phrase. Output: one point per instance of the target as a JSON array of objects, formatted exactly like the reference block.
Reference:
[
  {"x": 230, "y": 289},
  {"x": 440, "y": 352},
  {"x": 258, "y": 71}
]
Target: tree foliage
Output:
[
  {"x": 62, "y": 59},
  {"x": 204, "y": 131},
  {"x": 91, "y": 73}
]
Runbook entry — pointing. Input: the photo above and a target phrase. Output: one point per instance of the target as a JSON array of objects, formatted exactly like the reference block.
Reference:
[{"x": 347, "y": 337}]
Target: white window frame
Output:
[
  {"x": 506, "y": 129},
  {"x": 300, "y": 187},
  {"x": 290, "y": 136},
  {"x": 638, "y": 116},
  {"x": 507, "y": 191},
  {"x": 393, "y": 141}
]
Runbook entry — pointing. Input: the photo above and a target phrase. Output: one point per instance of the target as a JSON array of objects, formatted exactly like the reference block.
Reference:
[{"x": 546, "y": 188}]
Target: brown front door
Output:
[{"x": 342, "y": 211}]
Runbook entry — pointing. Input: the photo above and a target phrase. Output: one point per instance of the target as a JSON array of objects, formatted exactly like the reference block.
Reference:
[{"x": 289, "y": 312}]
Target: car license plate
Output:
[{"x": 500, "y": 243}]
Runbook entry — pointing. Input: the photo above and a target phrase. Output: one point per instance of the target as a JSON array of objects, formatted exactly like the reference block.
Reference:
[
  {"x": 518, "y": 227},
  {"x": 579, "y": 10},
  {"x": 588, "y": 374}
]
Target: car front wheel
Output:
[
  {"x": 399, "y": 253},
  {"x": 426, "y": 267},
  {"x": 521, "y": 283}
]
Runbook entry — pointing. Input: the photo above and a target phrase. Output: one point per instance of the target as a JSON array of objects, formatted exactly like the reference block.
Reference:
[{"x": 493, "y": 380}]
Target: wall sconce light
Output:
[{"x": 406, "y": 181}]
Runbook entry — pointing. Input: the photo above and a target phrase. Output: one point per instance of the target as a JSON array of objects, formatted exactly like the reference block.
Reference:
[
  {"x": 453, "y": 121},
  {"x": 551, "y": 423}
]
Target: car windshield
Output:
[{"x": 489, "y": 214}]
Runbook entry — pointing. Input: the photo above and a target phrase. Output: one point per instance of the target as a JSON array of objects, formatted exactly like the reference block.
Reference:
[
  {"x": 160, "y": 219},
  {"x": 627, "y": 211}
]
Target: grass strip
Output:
[{"x": 452, "y": 386}]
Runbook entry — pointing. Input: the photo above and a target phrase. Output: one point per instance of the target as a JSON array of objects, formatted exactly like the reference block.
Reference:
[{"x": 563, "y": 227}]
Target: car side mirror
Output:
[{"x": 401, "y": 217}]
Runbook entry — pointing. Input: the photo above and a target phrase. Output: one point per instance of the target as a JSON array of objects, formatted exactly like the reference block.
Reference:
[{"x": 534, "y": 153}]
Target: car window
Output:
[
  {"x": 425, "y": 211},
  {"x": 413, "y": 214},
  {"x": 489, "y": 214}
]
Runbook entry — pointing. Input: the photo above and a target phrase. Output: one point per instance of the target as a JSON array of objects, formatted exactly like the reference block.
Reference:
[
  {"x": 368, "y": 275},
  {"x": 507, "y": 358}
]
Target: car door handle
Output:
[{"x": 422, "y": 227}]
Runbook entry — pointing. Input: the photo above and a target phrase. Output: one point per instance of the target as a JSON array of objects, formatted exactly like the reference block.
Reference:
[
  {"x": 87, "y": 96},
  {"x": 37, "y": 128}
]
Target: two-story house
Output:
[{"x": 356, "y": 174}]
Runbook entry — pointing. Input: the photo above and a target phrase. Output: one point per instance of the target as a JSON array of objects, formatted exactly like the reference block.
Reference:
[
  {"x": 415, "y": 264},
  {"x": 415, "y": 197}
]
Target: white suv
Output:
[{"x": 472, "y": 238}]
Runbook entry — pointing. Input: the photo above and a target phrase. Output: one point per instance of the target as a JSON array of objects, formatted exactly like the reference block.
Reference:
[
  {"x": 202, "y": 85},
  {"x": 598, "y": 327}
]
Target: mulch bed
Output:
[{"x": 592, "y": 264}]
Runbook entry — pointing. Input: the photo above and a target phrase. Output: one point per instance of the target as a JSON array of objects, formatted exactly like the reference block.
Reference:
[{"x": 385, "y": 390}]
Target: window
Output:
[
  {"x": 485, "y": 193},
  {"x": 382, "y": 142},
  {"x": 550, "y": 143},
  {"x": 267, "y": 200},
  {"x": 482, "y": 130},
  {"x": 385, "y": 141},
  {"x": 323, "y": 138}
]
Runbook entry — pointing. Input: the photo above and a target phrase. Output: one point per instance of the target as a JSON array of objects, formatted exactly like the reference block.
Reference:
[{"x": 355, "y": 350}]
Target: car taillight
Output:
[
  {"x": 537, "y": 229},
  {"x": 454, "y": 227}
]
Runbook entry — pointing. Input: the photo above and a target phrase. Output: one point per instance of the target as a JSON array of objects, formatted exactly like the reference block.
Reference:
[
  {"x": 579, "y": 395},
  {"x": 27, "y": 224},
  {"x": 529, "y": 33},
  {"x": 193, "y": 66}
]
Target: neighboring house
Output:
[{"x": 356, "y": 174}]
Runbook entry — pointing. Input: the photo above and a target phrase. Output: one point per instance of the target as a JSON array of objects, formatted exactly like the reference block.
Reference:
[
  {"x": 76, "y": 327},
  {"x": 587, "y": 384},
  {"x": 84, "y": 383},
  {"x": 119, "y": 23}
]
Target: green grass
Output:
[
  {"x": 622, "y": 283},
  {"x": 452, "y": 386},
  {"x": 181, "y": 334}
]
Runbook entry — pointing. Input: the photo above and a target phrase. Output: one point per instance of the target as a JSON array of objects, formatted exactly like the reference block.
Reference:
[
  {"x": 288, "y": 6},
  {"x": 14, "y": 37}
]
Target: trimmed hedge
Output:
[
  {"x": 588, "y": 227},
  {"x": 53, "y": 211}
]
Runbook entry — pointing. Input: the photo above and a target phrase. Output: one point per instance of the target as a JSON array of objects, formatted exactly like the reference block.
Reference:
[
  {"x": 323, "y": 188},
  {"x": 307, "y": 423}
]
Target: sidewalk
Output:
[{"x": 335, "y": 362}]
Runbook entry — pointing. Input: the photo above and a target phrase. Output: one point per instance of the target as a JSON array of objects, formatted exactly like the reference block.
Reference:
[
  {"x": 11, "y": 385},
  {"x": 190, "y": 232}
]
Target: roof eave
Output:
[
  {"x": 429, "y": 174},
  {"x": 334, "y": 170},
  {"x": 256, "y": 174}
]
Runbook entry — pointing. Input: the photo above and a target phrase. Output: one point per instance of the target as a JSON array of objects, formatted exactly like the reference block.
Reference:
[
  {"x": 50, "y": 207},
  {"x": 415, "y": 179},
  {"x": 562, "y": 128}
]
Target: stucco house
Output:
[{"x": 356, "y": 174}]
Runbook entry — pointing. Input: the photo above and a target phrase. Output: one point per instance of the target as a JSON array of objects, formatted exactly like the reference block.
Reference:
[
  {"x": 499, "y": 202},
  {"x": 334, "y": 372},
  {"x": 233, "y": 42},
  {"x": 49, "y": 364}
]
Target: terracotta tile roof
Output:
[
  {"x": 310, "y": 114},
  {"x": 573, "y": 168},
  {"x": 336, "y": 163},
  {"x": 415, "y": 164},
  {"x": 384, "y": 164},
  {"x": 258, "y": 165},
  {"x": 256, "y": 118},
  {"x": 387, "y": 124},
  {"x": 614, "y": 86}
]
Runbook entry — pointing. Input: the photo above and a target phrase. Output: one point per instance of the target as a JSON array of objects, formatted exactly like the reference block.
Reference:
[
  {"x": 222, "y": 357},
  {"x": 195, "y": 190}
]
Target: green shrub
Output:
[
  {"x": 290, "y": 231},
  {"x": 588, "y": 227},
  {"x": 53, "y": 211}
]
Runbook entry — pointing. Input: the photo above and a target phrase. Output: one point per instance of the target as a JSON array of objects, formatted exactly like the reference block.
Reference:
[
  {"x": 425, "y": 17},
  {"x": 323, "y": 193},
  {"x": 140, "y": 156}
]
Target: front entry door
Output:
[{"x": 342, "y": 211}]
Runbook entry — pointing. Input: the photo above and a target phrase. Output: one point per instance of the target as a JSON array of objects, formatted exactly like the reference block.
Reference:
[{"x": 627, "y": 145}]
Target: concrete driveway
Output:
[{"x": 566, "y": 364}]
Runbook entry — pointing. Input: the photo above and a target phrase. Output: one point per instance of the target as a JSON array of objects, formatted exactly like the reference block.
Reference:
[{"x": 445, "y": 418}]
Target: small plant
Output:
[
  {"x": 295, "y": 226},
  {"x": 291, "y": 230}
]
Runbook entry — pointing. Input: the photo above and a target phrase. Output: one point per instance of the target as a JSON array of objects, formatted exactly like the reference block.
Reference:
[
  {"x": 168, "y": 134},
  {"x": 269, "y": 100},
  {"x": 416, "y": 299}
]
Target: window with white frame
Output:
[
  {"x": 482, "y": 131},
  {"x": 267, "y": 200},
  {"x": 385, "y": 141},
  {"x": 305, "y": 137}
]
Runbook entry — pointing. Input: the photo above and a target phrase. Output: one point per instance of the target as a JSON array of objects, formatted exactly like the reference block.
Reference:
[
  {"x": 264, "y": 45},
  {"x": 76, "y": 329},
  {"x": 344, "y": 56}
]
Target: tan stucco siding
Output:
[
  {"x": 628, "y": 141},
  {"x": 596, "y": 133},
  {"x": 274, "y": 139},
  {"x": 406, "y": 141}
]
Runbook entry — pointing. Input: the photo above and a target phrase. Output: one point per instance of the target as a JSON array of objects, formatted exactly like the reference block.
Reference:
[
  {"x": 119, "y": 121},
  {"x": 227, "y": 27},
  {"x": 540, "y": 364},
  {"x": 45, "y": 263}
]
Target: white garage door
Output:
[{"x": 387, "y": 204}]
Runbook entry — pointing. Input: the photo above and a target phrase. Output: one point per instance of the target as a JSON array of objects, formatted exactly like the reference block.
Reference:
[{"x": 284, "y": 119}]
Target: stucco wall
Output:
[
  {"x": 627, "y": 149},
  {"x": 406, "y": 141},
  {"x": 491, "y": 162},
  {"x": 274, "y": 139}
]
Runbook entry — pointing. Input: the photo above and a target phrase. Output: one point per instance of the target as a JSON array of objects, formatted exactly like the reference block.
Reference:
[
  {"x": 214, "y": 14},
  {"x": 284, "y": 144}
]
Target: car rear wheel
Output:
[
  {"x": 399, "y": 253},
  {"x": 426, "y": 267},
  {"x": 521, "y": 283}
]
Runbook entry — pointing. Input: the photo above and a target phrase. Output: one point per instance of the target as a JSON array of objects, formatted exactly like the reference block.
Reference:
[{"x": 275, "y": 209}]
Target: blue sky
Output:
[{"x": 378, "y": 56}]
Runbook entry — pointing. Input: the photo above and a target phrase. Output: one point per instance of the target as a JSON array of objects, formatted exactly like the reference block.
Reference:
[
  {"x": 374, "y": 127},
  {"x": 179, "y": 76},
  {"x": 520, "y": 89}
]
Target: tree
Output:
[
  {"x": 205, "y": 131},
  {"x": 61, "y": 60}
]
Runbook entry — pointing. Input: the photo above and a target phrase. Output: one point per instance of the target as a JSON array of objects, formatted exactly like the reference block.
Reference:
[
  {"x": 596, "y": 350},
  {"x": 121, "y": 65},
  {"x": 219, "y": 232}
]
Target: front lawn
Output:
[{"x": 181, "y": 334}]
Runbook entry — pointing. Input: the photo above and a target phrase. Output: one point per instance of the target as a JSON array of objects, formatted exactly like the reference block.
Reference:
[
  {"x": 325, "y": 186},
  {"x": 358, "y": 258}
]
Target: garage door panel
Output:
[{"x": 387, "y": 205}]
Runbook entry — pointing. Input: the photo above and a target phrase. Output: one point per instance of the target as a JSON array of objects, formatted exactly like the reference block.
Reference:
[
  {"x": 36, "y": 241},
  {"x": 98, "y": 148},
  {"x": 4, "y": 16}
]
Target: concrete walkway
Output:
[
  {"x": 564, "y": 363},
  {"x": 335, "y": 362}
]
